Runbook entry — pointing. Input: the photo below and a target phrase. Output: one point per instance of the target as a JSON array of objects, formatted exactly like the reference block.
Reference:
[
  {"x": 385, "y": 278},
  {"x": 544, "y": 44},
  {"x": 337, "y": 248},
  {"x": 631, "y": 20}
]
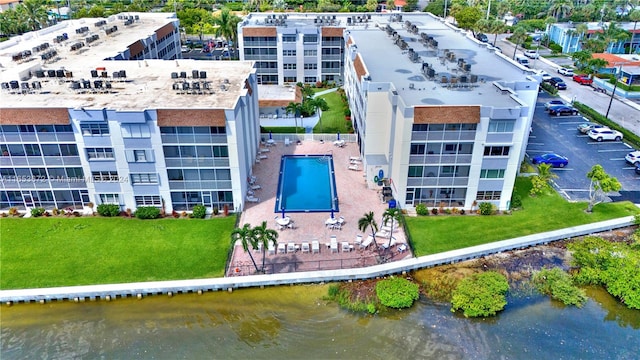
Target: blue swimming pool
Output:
[{"x": 306, "y": 184}]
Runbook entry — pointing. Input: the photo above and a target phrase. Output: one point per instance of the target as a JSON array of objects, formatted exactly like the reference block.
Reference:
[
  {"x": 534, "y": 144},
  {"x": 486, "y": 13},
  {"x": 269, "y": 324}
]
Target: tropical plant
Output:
[
  {"x": 109, "y": 210},
  {"x": 397, "y": 292},
  {"x": 391, "y": 216},
  {"x": 518, "y": 37},
  {"x": 246, "y": 236},
  {"x": 482, "y": 294},
  {"x": 560, "y": 8},
  {"x": 467, "y": 17},
  {"x": 601, "y": 183},
  {"x": 559, "y": 285},
  {"x": 147, "y": 212},
  {"x": 227, "y": 23},
  {"x": 485, "y": 208},
  {"x": 369, "y": 221},
  {"x": 421, "y": 209},
  {"x": 581, "y": 58},
  {"x": 37, "y": 212},
  {"x": 635, "y": 17},
  {"x": 265, "y": 236},
  {"x": 199, "y": 212}
]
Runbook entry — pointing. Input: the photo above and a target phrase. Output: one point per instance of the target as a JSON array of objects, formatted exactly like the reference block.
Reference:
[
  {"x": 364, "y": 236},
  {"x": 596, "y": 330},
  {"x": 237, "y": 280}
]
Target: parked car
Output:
[
  {"x": 586, "y": 127},
  {"x": 552, "y": 159},
  {"x": 531, "y": 54},
  {"x": 551, "y": 103},
  {"x": 544, "y": 74},
  {"x": 558, "y": 83},
  {"x": 583, "y": 79},
  {"x": 565, "y": 71},
  {"x": 562, "y": 110},
  {"x": 482, "y": 37},
  {"x": 638, "y": 169},
  {"x": 605, "y": 134},
  {"x": 633, "y": 157}
]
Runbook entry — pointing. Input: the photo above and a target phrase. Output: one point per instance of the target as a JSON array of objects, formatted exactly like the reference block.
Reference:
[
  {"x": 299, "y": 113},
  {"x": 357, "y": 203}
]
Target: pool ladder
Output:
[{"x": 326, "y": 156}]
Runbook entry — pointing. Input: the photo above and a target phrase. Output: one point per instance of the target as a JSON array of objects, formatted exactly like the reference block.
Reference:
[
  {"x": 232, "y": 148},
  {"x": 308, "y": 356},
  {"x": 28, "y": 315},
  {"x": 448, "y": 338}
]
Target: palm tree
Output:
[
  {"x": 613, "y": 34},
  {"x": 635, "y": 17},
  {"x": 597, "y": 64},
  {"x": 560, "y": 7},
  {"x": 247, "y": 236},
  {"x": 369, "y": 221},
  {"x": 264, "y": 236},
  {"x": 518, "y": 37},
  {"x": 581, "y": 29},
  {"x": 227, "y": 26},
  {"x": 34, "y": 13},
  {"x": 496, "y": 27},
  {"x": 391, "y": 215},
  {"x": 581, "y": 58},
  {"x": 293, "y": 108},
  {"x": 545, "y": 174},
  {"x": 550, "y": 20}
]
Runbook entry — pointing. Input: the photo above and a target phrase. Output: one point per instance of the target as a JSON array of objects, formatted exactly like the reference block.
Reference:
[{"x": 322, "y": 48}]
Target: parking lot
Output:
[{"x": 560, "y": 135}]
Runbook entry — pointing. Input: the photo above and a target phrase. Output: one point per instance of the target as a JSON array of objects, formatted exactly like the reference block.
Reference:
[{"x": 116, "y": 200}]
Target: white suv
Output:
[
  {"x": 565, "y": 71},
  {"x": 605, "y": 134},
  {"x": 633, "y": 157},
  {"x": 531, "y": 54}
]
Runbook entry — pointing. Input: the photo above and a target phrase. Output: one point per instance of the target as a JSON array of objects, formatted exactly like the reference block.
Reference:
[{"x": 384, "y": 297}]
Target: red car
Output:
[{"x": 582, "y": 79}]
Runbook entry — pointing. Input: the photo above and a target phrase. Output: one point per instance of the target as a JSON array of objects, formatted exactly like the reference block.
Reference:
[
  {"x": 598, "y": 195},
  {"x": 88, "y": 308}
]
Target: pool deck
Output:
[{"x": 355, "y": 200}]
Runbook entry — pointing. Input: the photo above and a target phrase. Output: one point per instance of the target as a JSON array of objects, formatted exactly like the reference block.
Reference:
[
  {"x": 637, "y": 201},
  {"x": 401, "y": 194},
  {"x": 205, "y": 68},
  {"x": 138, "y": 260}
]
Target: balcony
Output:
[{"x": 197, "y": 162}]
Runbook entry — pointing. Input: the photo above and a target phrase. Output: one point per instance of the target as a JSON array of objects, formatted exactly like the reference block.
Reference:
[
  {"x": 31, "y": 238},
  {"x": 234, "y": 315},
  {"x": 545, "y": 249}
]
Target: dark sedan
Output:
[
  {"x": 558, "y": 83},
  {"x": 562, "y": 110},
  {"x": 554, "y": 160}
]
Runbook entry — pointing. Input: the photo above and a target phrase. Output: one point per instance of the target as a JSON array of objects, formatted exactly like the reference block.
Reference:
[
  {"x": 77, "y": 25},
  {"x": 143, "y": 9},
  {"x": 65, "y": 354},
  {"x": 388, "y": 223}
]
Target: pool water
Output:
[{"x": 306, "y": 184}]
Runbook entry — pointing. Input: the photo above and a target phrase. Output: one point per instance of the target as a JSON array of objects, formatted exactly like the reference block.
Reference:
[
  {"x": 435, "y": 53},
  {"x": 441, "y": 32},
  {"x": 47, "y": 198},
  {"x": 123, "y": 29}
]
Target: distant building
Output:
[
  {"x": 8, "y": 4},
  {"x": 566, "y": 35}
]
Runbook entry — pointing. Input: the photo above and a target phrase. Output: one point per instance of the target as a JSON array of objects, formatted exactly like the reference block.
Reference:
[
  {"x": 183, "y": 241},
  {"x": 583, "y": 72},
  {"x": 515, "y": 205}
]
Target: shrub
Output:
[
  {"x": 482, "y": 294},
  {"x": 108, "y": 210},
  {"x": 549, "y": 88},
  {"x": 37, "y": 212},
  {"x": 434, "y": 211},
  {"x": 147, "y": 212},
  {"x": 516, "y": 201},
  {"x": 462, "y": 212},
  {"x": 421, "y": 209},
  {"x": 397, "y": 292},
  {"x": 14, "y": 211},
  {"x": 199, "y": 211},
  {"x": 486, "y": 208},
  {"x": 559, "y": 285}
]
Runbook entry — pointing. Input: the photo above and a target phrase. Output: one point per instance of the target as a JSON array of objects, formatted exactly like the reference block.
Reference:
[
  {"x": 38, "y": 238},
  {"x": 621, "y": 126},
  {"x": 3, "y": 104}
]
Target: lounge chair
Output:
[
  {"x": 346, "y": 247},
  {"x": 339, "y": 143},
  {"x": 281, "y": 248},
  {"x": 355, "y": 158},
  {"x": 287, "y": 142},
  {"x": 262, "y": 156},
  {"x": 264, "y": 150},
  {"x": 383, "y": 234},
  {"x": 387, "y": 245},
  {"x": 305, "y": 247},
  {"x": 253, "y": 199},
  {"x": 354, "y": 167},
  {"x": 367, "y": 242},
  {"x": 358, "y": 239},
  {"x": 315, "y": 247},
  {"x": 334, "y": 243},
  {"x": 255, "y": 187},
  {"x": 271, "y": 248},
  {"x": 291, "y": 247}
]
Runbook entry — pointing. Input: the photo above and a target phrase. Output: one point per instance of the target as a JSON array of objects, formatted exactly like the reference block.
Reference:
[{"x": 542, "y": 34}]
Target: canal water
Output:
[{"x": 294, "y": 322}]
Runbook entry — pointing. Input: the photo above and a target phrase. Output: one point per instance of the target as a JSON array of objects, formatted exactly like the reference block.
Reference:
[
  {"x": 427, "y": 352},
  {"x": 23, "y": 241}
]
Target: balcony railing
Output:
[{"x": 196, "y": 162}]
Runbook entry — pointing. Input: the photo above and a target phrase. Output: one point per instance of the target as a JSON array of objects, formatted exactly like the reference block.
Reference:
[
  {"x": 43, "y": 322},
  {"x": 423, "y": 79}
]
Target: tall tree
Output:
[
  {"x": 34, "y": 13},
  {"x": 517, "y": 38},
  {"x": 581, "y": 58},
  {"x": 496, "y": 27},
  {"x": 467, "y": 17},
  {"x": 560, "y": 8},
  {"x": 369, "y": 221},
  {"x": 635, "y": 17},
  {"x": 227, "y": 26},
  {"x": 264, "y": 236},
  {"x": 391, "y": 216},
  {"x": 246, "y": 236},
  {"x": 601, "y": 183}
]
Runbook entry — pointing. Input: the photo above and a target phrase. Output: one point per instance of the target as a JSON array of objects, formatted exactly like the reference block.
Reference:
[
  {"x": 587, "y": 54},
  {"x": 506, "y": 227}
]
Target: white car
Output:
[
  {"x": 544, "y": 74},
  {"x": 565, "y": 71},
  {"x": 633, "y": 157},
  {"x": 605, "y": 134},
  {"x": 531, "y": 54}
]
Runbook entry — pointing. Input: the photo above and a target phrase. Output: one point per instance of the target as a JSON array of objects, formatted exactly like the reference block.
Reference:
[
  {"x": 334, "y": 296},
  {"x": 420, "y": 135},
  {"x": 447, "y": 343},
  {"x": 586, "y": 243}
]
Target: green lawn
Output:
[
  {"x": 282, "y": 130},
  {"x": 434, "y": 234},
  {"x": 332, "y": 120},
  {"x": 50, "y": 252}
]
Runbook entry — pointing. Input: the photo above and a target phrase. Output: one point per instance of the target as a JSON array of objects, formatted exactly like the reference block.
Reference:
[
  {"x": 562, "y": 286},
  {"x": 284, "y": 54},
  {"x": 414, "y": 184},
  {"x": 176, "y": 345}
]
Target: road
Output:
[{"x": 625, "y": 113}]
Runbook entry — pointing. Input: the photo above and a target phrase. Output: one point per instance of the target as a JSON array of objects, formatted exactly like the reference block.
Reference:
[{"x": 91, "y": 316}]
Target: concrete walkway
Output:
[{"x": 113, "y": 291}]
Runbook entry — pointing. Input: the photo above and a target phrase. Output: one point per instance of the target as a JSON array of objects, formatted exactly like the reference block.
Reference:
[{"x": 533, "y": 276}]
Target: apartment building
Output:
[
  {"x": 441, "y": 117},
  {"x": 295, "y": 47},
  {"x": 78, "y": 126}
]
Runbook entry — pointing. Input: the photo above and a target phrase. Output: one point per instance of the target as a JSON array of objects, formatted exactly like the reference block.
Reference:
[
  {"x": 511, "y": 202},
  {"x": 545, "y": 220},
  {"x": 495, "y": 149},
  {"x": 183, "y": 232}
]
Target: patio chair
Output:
[
  {"x": 333, "y": 245},
  {"x": 253, "y": 199},
  {"x": 383, "y": 234},
  {"x": 262, "y": 156},
  {"x": 305, "y": 247},
  {"x": 271, "y": 248},
  {"x": 281, "y": 248},
  {"x": 341, "y": 220},
  {"x": 315, "y": 247},
  {"x": 355, "y": 158},
  {"x": 346, "y": 247},
  {"x": 358, "y": 239},
  {"x": 367, "y": 242},
  {"x": 255, "y": 187},
  {"x": 291, "y": 247},
  {"x": 287, "y": 142},
  {"x": 354, "y": 167}
]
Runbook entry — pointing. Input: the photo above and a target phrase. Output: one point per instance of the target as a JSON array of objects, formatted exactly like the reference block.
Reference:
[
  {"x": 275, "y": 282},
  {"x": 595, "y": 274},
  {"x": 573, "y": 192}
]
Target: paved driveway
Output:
[{"x": 559, "y": 135}]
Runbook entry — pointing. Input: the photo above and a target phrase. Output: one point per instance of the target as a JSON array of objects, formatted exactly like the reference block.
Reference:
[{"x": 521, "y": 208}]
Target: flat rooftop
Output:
[
  {"x": 148, "y": 84},
  {"x": 386, "y": 62}
]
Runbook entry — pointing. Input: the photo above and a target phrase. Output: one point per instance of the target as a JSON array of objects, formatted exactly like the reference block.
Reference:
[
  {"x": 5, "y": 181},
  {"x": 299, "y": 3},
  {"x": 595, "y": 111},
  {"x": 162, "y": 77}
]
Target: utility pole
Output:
[
  {"x": 488, "y": 9},
  {"x": 615, "y": 86},
  {"x": 445, "y": 10}
]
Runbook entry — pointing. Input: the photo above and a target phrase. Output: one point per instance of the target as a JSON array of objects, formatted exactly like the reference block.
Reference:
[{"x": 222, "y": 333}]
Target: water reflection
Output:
[{"x": 294, "y": 322}]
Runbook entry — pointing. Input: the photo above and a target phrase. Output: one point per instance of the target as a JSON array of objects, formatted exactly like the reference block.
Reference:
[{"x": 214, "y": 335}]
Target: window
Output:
[
  {"x": 75, "y": 173},
  {"x": 220, "y": 151},
  {"x": 288, "y": 38},
  {"x": 102, "y": 176},
  {"x": 48, "y": 150},
  {"x": 39, "y": 174},
  {"x": 492, "y": 173},
  {"x": 311, "y": 66},
  {"x": 288, "y": 53},
  {"x": 32, "y": 149},
  {"x": 100, "y": 153},
  {"x": 110, "y": 199},
  {"x": 310, "y": 39},
  {"x": 488, "y": 195},
  {"x": 415, "y": 171},
  {"x": 496, "y": 151},
  {"x": 135, "y": 131},
  {"x": 94, "y": 129},
  {"x": 501, "y": 126},
  {"x": 149, "y": 178},
  {"x": 310, "y": 79},
  {"x": 311, "y": 53},
  {"x": 290, "y": 79},
  {"x": 289, "y": 66},
  {"x": 149, "y": 200},
  {"x": 417, "y": 149},
  {"x": 140, "y": 155}
]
